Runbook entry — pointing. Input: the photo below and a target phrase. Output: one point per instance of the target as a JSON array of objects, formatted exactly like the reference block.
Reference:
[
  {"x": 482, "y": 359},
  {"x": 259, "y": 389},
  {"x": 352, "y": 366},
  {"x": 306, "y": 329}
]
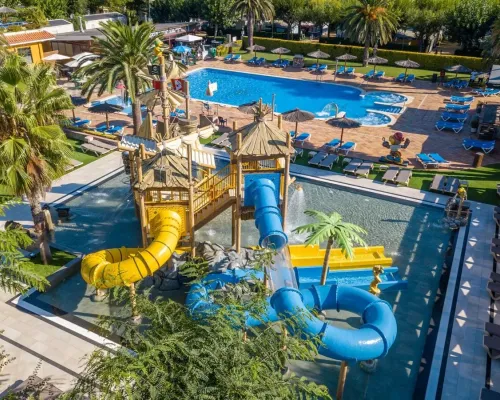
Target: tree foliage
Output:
[
  {"x": 219, "y": 13},
  {"x": 253, "y": 10},
  {"x": 290, "y": 12}
]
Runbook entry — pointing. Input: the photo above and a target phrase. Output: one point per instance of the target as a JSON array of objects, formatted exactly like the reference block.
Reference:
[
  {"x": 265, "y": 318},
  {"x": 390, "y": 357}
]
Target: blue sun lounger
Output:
[
  {"x": 253, "y": 60},
  {"x": 340, "y": 71},
  {"x": 426, "y": 161},
  {"x": 285, "y": 64},
  {"x": 236, "y": 57},
  {"x": 437, "y": 157},
  {"x": 410, "y": 78},
  {"x": 462, "y": 99},
  {"x": 379, "y": 75},
  {"x": 488, "y": 92},
  {"x": 400, "y": 77},
  {"x": 313, "y": 67},
  {"x": 81, "y": 123},
  {"x": 332, "y": 144},
  {"x": 260, "y": 61},
  {"x": 228, "y": 57},
  {"x": 486, "y": 146},
  {"x": 292, "y": 134},
  {"x": 114, "y": 129},
  {"x": 369, "y": 74},
  {"x": 277, "y": 63},
  {"x": 303, "y": 137},
  {"x": 454, "y": 126},
  {"x": 453, "y": 116},
  {"x": 101, "y": 128},
  {"x": 347, "y": 147},
  {"x": 457, "y": 107},
  {"x": 322, "y": 68},
  {"x": 350, "y": 71}
]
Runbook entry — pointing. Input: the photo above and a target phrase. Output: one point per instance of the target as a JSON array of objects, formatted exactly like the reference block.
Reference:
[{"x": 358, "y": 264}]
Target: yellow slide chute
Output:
[{"x": 123, "y": 266}]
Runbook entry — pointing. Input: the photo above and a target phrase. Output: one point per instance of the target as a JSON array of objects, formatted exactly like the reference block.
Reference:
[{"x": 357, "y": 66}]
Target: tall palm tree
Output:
[
  {"x": 33, "y": 148},
  {"x": 332, "y": 229},
  {"x": 125, "y": 53},
  {"x": 370, "y": 22},
  {"x": 253, "y": 10}
]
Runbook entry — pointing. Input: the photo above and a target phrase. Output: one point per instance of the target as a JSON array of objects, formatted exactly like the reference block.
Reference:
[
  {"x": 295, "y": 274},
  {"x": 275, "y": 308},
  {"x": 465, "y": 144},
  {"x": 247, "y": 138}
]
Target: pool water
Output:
[
  {"x": 119, "y": 101},
  {"x": 104, "y": 217},
  {"x": 236, "y": 88}
]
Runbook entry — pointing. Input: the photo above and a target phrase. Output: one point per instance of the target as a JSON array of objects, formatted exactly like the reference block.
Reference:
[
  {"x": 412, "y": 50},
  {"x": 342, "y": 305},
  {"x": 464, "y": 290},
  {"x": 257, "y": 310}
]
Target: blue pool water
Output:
[
  {"x": 236, "y": 88},
  {"x": 117, "y": 100}
]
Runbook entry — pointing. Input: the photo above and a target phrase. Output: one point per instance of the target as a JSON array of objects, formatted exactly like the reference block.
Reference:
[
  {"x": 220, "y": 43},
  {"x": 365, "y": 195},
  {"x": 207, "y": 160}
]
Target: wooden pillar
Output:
[
  {"x": 131, "y": 157},
  {"x": 191, "y": 198},
  {"x": 239, "y": 184},
  {"x": 342, "y": 378},
  {"x": 284, "y": 204},
  {"x": 186, "y": 92},
  {"x": 280, "y": 122},
  {"x": 138, "y": 163},
  {"x": 233, "y": 227},
  {"x": 235, "y": 126},
  {"x": 144, "y": 222},
  {"x": 142, "y": 151}
]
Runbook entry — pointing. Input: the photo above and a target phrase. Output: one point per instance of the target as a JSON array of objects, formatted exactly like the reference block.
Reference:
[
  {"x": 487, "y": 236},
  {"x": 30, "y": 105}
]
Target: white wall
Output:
[{"x": 97, "y": 23}]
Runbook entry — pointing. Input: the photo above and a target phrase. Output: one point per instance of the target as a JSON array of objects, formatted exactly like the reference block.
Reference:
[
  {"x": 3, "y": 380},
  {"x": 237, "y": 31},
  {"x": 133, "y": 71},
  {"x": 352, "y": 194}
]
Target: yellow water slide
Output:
[{"x": 123, "y": 266}]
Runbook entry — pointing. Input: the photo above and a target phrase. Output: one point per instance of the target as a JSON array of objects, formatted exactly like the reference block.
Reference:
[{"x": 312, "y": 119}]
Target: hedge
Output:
[{"x": 434, "y": 62}]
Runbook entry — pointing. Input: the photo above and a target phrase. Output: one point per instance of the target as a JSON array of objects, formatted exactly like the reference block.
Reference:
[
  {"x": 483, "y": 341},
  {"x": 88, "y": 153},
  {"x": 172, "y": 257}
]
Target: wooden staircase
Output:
[{"x": 212, "y": 210}]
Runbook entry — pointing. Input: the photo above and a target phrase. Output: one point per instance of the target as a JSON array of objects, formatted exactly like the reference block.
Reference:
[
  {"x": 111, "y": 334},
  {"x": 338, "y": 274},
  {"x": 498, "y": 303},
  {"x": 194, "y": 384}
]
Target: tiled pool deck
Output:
[{"x": 31, "y": 338}]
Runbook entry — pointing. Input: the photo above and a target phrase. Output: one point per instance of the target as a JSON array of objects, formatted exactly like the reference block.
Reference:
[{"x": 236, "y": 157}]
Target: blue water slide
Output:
[
  {"x": 267, "y": 214},
  {"x": 372, "y": 340}
]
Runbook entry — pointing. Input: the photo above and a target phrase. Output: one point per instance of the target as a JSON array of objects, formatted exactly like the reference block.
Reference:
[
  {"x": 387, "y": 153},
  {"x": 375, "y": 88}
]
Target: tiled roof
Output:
[{"x": 28, "y": 37}]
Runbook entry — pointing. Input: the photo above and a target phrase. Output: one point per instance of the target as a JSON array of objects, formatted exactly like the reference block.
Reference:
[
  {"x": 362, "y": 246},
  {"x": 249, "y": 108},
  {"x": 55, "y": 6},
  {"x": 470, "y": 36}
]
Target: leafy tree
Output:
[
  {"x": 218, "y": 13},
  {"x": 33, "y": 148},
  {"x": 370, "y": 22},
  {"x": 166, "y": 10},
  {"x": 54, "y": 9},
  {"x": 470, "y": 20},
  {"x": 77, "y": 7},
  {"x": 491, "y": 44},
  {"x": 291, "y": 12},
  {"x": 253, "y": 10},
  {"x": 34, "y": 16},
  {"x": 322, "y": 12},
  {"x": 331, "y": 229}
]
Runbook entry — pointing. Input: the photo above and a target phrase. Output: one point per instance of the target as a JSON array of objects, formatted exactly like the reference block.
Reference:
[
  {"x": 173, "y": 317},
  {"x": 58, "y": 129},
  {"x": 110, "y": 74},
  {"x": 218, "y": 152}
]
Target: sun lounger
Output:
[
  {"x": 82, "y": 123},
  {"x": 260, "y": 61},
  {"x": 454, "y": 126},
  {"x": 438, "y": 183},
  {"x": 253, "y": 60},
  {"x": 462, "y": 99},
  {"x": 496, "y": 217},
  {"x": 352, "y": 166},
  {"x": 403, "y": 177},
  {"x": 400, "y": 77},
  {"x": 451, "y": 83},
  {"x": 228, "y": 57},
  {"x": 297, "y": 153},
  {"x": 426, "y": 161},
  {"x": 379, "y": 75},
  {"x": 486, "y": 146},
  {"x": 285, "y": 64},
  {"x": 488, "y": 92},
  {"x": 410, "y": 78},
  {"x": 453, "y": 116},
  {"x": 340, "y": 71},
  {"x": 347, "y": 147},
  {"x": 292, "y": 134},
  {"x": 488, "y": 394},
  {"x": 350, "y": 71},
  {"x": 318, "y": 157},
  {"x": 451, "y": 185},
  {"x": 104, "y": 145},
  {"x": 329, "y": 161},
  {"x": 94, "y": 149},
  {"x": 390, "y": 174},
  {"x": 323, "y": 68},
  {"x": 313, "y": 67},
  {"x": 492, "y": 346},
  {"x": 493, "y": 289},
  {"x": 490, "y": 328},
  {"x": 437, "y": 157},
  {"x": 303, "y": 137},
  {"x": 457, "y": 107},
  {"x": 220, "y": 140},
  {"x": 72, "y": 164},
  {"x": 277, "y": 63},
  {"x": 101, "y": 128},
  {"x": 364, "y": 169},
  {"x": 369, "y": 74},
  {"x": 114, "y": 130},
  {"x": 236, "y": 57},
  {"x": 332, "y": 144}
]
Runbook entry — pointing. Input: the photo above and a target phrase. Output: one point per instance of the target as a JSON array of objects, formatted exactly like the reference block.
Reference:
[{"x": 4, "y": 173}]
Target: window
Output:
[{"x": 25, "y": 52}]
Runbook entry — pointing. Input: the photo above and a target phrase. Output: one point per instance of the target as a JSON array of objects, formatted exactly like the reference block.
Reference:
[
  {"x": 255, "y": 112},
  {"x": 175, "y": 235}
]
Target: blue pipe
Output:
[
  {"x": 372, "y": 340},
  {"x": 267, "y": 214}
]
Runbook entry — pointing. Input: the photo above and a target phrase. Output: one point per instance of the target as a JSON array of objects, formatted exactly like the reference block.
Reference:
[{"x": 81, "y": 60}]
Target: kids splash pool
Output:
[{"x": 236, "y": 88}]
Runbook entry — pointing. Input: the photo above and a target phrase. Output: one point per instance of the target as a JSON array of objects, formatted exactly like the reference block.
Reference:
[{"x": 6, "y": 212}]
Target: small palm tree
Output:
[
  {"x": 370, "y": 22},
  {"x": 253, "y": 10},
  {"x": 332, "y": 229},
  {"x": 33, "y": 148}
]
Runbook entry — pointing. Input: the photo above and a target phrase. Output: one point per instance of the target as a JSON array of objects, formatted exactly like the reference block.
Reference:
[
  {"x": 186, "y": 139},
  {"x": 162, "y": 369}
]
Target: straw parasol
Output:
[
  {"x": 297, "y": 116},
  {"x": 146, "y": 130},
  {"x": 249, "y": 108},
  {"x": 458, "y": 69},
  {"x": 343, "y": 123},
  {"x": 280, "y": 51},
  {"x": 376, "y": 61},
  {"x": 77, "y": 101},
  {"x": 346, "y": 57},
  {"x": 318, "y": 54},
  {"x": 255, "y": 48},
  {"x": 407, "y": 64},
  {"x": 106, "y": 108}
]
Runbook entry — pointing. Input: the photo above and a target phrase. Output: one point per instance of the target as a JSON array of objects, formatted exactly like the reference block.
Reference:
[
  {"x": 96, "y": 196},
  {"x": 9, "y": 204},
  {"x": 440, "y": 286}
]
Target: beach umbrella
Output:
[
  {"x": 343, "y": 123},
  {"x": 77, "y": 102},
  {"x": 297, "y": 116},
  {"x": 106, "y": 108},
  {"x": 249, "y": 108},
  {"x": 280, "y": 51},
  {"x": 458, "y": 69},
  {"x": 318, "y": 54},
  {"x": 376, "y": 61},
  {"x": 56, "y": 57},
  {"x": 346, "y": 57},
  {"x": 181, "y": 49},
  {"x": 407, "y": 64},
  {"x": 255, "y": 48}
]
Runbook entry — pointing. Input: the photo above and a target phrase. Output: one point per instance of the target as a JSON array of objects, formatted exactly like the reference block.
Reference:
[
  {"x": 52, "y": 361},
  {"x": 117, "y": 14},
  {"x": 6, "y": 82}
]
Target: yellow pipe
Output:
[{"x": 123, "y": 266}]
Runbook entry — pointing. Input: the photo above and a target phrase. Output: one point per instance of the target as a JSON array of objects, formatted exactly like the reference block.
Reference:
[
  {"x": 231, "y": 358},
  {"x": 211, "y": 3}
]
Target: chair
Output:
[
  {"x": 323, "y": 68},
  {"x": 352, "y": 166},
  {"x": 332, "y": 144},
  {"x": 426, "y": 161},
  {"x": 462, "y": 99},
  {"x": 329, "y": 161},
  {"x": 222, "y": 121},
  {"x": 486, "y": 146},
  {"x": 379, "y": 75},
  {"x": 277, "y": 63},
  {"x": 453, "y": 116},
  {"x": 340, "y": 71},
  {"x": 454, "y": 126},
  {"x": 303, "y": 137},
  {"x": 463, "y": 108},
  {"x": 403, "y": 177},
  {"x": 236, "y": 57},
  {"x": 369, "y": 74},
  {"x": 391, "y": 174},
  {"x": 253, "y": 60},
  {"x": 285, "y": 64},
  {"x": 364, "y": 169},
  {"x": 313, "y": 67},
  {"x": 410, "y": 78},
  {"x": 437, "y": 157},
  {"x": 347, "y": 147},
  {"x": 228, "y": 57},
  {"x": 318, "y": 157},
  {"x": 350, "y": 71},
  {"x": 400, "y": 77}
]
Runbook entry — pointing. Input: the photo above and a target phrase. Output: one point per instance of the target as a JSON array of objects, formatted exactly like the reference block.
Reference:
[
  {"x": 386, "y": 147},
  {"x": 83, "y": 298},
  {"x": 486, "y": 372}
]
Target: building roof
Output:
[
  {"x": 97, "y": 17},
  {"x": 78, "y": 36},
  {"x": 58, "y": 22},
  {"x": 34, "y": 36}
]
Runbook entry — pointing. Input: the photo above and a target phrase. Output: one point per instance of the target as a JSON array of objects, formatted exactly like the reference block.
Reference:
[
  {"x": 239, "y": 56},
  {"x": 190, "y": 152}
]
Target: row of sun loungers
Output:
[
  {"x": 345, "y": 71},
  {"x": 456, "y": 84},
  {"x": 324, "y": 160},
  {"x": 433, "y": 160},
  {"x": 445, "y": 184},
  {"x": 398, "y": 176},
  {"x": 466, "y": 100},
  {"x": 372, "y": 74},
  {"x": 232, "y": 57},
  {"x": 402, "y": 77},
  {"x": 97, "y": 147},
  {"x": 487, "y": 92},
  {"x": 359, "y": 168}
]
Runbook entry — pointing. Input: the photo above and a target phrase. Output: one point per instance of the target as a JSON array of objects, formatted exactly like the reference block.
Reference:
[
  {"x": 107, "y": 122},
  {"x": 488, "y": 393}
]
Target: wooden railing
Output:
[{"x": 214, "y": 187}]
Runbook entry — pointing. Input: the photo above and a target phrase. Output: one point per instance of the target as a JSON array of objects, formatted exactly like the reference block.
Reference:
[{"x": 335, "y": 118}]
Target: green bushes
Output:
[{"x": 428, "y": 61}]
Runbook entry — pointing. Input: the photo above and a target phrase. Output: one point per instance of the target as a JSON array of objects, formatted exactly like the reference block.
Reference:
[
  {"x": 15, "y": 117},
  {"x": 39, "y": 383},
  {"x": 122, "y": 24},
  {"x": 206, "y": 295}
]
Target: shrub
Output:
[
  {"x": 428, "y": 61},
  {"x": 15, "y": 28}
]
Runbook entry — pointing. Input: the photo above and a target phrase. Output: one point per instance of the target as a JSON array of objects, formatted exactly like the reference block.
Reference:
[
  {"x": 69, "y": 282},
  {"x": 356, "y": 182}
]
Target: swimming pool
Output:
[
  {"x": 119, "y": 101},
  {"x": 236, "y": 88},
  {"x": 413, "y": 235}
]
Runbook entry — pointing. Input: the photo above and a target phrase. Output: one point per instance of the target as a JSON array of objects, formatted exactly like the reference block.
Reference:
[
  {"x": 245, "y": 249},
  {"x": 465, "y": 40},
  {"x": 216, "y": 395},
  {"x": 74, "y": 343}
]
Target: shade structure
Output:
[
  {"x": 147, "y": 130},
  {"x": 255, "y": 48},
  {"x": 280, "y": 51},
  {"x": 376, "y": 61},
  {"x": 343, "y": 123},
  {"x": 407, "y": 64},
  {"x": 346, "y": 57},
  {"x": 249, "y": 108},
  {"x": 318, "y": 54},
  {"x": 297, "y": 116},
  {"x": 7, "y": 10},
  {"x": 458, "y": 69},
  {"x": 56, "y": 57},
  {"x": 189, "y": 39},
  {"x": 181, "y": 49},
  {"x": 106, "y": 108},
  {"x": 151, "y": 98}
]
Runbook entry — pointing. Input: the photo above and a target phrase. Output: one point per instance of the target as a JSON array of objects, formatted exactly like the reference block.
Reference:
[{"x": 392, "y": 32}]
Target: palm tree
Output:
[
  {"x": 332, "y": 229},
  {"x": 253, "y": 10},
  {"x": 370, "y": 22},
  {"x": 33, "y": 148},
  {"x": 125, "y": 54}
]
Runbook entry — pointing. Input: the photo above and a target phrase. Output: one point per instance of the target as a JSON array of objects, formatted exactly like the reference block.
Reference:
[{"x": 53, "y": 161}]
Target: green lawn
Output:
[
  {"x": 79, "y": 155},
  {"x": 390, "y": 71},
  {"x": 211, "y": 138},
  {"x": 59, "y": 258}
]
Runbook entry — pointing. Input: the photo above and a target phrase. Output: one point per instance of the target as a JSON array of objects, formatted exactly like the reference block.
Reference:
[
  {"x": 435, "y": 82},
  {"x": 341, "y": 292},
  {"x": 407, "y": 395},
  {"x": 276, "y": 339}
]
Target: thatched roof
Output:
[{"x": 165, "y": 170}]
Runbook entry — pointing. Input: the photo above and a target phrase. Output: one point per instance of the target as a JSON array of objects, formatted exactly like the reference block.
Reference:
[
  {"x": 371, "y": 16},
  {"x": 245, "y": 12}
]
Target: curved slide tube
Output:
[
  {"x": 123, "y": 266},
  {"x": 267, "y": 214},
  {"x": 372, "y": 340}
]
